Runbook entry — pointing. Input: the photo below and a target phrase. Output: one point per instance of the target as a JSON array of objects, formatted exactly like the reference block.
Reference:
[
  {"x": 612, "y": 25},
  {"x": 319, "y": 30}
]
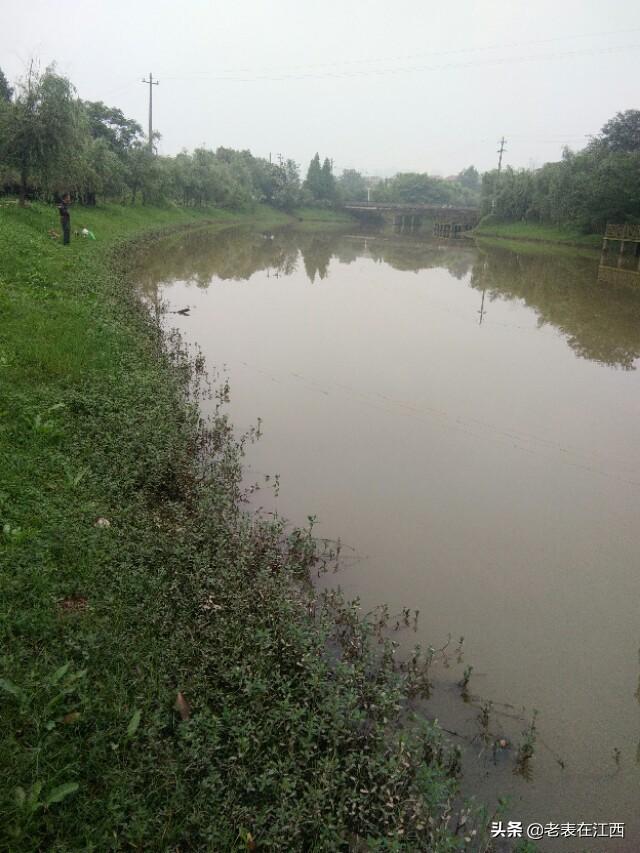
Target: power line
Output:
[
  {"x": 405, "y": 58},
  {"x": 407, "y": 70},
  {"x": 389, "y": 71}
]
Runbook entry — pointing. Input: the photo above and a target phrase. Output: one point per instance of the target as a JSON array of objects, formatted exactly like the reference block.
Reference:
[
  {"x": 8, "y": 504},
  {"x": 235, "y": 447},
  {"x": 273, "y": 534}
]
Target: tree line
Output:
[
  {"x": 585, "y": 189},
  {"x": 420, "y": 188},
  {"x": 52, "y": 141}
]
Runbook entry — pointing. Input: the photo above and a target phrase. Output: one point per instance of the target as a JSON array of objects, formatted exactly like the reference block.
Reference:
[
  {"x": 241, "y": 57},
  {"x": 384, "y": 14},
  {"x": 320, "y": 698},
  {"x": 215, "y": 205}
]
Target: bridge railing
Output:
[
  {"x": 375, "y": 205},
  {"x": 628, "y": 231}
]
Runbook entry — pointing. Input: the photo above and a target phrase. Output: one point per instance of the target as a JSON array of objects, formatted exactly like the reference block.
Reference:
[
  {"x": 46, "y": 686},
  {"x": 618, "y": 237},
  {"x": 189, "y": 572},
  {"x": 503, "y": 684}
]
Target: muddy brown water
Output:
[{"x": 466, "y": 419}]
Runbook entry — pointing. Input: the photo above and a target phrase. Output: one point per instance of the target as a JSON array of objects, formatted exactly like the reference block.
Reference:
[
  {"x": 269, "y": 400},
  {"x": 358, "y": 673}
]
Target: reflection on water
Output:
[
  {"x": 619, "y": 275},
  {"x": 464, "y": 418},
  {"x": 600, "y": 321},
  {"x": 237, "y": 253},
  {"x": 598, "y": 313}
]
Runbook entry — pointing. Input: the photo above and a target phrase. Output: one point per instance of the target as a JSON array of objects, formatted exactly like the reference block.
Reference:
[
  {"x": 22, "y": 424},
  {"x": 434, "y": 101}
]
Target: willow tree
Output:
[{"x": 39, "y": 127}]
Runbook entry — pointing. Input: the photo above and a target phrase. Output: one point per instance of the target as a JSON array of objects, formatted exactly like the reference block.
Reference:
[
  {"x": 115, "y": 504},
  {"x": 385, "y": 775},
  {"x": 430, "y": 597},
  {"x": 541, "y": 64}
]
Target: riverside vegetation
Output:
[
  {"x": 535, "y": 232},
  {"x": 51, "y": 141},
  {"x": 169, "y": 680}
]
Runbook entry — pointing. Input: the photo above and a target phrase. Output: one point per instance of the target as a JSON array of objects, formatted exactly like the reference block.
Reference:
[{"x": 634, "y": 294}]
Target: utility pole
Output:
[
  {"x": 501, "y": 151},
  {"x": 151, "y": 83},
  {"x": 482, "y": 312}
]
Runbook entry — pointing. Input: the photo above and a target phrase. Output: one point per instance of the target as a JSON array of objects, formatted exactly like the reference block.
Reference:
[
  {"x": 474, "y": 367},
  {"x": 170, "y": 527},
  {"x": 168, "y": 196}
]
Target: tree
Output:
[
  {"x": 621, "y": 133},
  {"x": 100, "y": 172},
  {"x": 415, "y": 188},
  {"x": 111, "y": 124},
  {"x": 313, "y": 182},
  {"x": 328, "y": 192},
  {"x": 286, "y": 185},
  {"x": 320, "y": 183},
  {"x": 139, "y": 166},
  {"x": 488, "y": 189},
  {"x": 469, "y": 178},
  {"x": 40, "y": 125},
  {"x": 352, "y": 186},
  {"x": 6, "y": 92}
]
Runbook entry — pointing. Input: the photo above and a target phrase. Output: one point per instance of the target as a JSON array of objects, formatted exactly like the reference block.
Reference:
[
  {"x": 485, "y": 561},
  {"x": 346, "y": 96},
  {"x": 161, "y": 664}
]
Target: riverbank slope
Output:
[
  {"x": 534, "y": 232},
  {"x": 164, "y": 681}
]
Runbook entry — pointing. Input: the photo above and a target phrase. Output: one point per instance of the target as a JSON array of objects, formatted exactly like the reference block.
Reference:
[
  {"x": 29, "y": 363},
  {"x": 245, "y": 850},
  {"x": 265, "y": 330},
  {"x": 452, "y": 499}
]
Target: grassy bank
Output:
[
  {"x": 529, "y": 231},
  {"x": 165, "y": 681},
  {"x": 536, "y": 248}
]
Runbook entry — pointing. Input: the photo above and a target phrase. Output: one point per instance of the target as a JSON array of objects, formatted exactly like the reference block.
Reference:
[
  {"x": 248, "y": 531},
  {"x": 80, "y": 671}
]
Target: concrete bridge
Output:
[{"x": 449, "y": 220}]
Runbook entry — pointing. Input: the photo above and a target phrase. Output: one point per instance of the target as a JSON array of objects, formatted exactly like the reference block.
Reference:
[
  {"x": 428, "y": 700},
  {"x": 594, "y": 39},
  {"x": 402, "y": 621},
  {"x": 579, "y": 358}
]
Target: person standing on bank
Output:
[{"x": 65, "y": 218}]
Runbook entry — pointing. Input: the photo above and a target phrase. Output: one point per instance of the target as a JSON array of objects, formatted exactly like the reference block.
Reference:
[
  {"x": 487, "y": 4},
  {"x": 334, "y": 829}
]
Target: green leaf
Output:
[
  {"x": 20, "y": 795},
  {"x": 58, "y": 794},
  {"x": 134, "y": 722},
  {"x": 57, "y": 675},
  {"x": 76, "y": 676},
  {"x": 34, "y": 796},
  {"x": 10, "y": 687}
]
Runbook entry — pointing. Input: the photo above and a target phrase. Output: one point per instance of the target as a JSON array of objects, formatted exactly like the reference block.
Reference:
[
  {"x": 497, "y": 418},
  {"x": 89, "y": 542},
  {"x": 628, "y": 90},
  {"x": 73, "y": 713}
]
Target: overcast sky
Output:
[{"x": 409, "y": 85}]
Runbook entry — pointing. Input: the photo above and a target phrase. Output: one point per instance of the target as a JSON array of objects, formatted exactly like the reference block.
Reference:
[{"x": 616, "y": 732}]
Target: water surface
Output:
[{"x": 465, "y": 419}]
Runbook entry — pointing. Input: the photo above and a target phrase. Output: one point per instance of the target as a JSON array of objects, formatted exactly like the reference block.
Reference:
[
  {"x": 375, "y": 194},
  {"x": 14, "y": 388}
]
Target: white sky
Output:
[{"x": 379, "y": 86}]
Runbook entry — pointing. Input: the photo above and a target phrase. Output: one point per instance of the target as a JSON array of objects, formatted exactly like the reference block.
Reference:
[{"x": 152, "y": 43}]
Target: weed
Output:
[
  {"x": 526, "y": 749},
  {"x": 464, "y": 683},
  {"x": 484, "y": 720},
  {"x": 290, "y": 730}
]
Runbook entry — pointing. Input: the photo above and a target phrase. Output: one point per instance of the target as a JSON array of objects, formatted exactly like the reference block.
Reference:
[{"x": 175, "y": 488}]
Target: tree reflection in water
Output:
[{"x": 599, "y": 319}]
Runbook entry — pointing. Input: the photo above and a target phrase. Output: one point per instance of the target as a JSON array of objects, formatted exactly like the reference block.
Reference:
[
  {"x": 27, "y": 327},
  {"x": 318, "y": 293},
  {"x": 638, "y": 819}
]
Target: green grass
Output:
[
  {"x": 535, "y": 247},
  {"x": 528, "y": 231},
  {"x": 295, "y": 734}
]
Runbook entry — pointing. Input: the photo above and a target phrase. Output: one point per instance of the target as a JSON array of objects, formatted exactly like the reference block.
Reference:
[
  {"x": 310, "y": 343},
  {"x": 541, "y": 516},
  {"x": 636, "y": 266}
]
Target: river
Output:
[{"x": 464, "y": 417}]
